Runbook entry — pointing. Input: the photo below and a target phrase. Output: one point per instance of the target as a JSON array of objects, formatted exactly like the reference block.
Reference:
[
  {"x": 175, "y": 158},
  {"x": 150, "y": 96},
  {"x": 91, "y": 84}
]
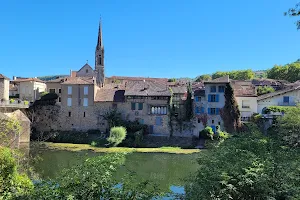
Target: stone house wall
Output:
[{"x": 4, "y": 89}]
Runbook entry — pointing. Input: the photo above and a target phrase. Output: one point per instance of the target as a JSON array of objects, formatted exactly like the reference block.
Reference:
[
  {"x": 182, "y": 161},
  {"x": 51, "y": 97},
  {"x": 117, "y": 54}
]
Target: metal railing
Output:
[{"x": 13, "y": 104}]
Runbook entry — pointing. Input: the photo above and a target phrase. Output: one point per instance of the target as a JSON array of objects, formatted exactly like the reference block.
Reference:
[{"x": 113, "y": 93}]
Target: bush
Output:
[
  {"x": 207, "y": 133},
  {"x": 117, "y": 135},
  {"x": 26, "y": 102},
  {"x": 94, "y": 144},
  {"x": 282, "y": 109},
  {"x": 11, "y": 101}
]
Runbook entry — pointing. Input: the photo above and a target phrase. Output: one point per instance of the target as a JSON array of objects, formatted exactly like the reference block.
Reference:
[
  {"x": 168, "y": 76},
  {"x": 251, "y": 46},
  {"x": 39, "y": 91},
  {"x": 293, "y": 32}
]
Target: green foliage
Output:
[
  {"x": 12, "y": 101},
  {"x": 26, "y": 102},
  {"x": 288, "y": 127},
  {"x": 117, "y": 135},
  {"x": 189, "y": 103},
  {"x": 12, "y": 183},
  {"x": 230, "y": 113},
  {"x": 264, "y": 90},
  {"x": 236, "y": 75},
  {"x": 172, "y": 80},
  {"x": 49, "y": 78},
  {"x": 204, "y": 77},
  {"x": 113, "y": 118},
  {"x": 294, "y": 12},
  {"x": 289, "y": 72},
  {"x": 10, "y": 128},
  {"x": 93, "y": 144},
  {"x": 247, "y": 166},
  {"x": 43, "y": 93},
  {"x": 207, "y": 133},
  {"x": 282, "y": 109}
]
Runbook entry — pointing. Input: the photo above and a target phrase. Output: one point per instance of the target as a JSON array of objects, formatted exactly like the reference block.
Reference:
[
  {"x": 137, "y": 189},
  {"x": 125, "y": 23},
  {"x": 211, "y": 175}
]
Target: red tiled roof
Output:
[
  {"x": 243, "y": 88},
  {"x": 27, "y": 79},
  {"x": 138, "y": 78},
  {"x": 147, "y": 88},
  {"x": 224, "y": 79}
]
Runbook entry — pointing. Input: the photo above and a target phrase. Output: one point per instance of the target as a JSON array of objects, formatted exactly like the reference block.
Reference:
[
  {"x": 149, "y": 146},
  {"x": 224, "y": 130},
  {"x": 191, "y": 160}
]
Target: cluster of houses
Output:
[{"x": 86, "y": 95}]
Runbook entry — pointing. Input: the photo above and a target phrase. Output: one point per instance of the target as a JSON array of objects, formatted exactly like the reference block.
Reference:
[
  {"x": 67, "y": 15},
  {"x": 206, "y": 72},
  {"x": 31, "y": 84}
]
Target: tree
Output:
[
  {"x": 189, "y": 103},
  {"x": 230, "y": 112},
  {"x": 172, "y": 80},
  {"x": 238, "y": 168},
  {"x": 264, "y": 90},
  {"x": 204, "y": 77},
  {"x": 236, "y": 75},
  {"x": 289, "y": 72},
  {"x": 117, "y": 135},
  {"x": 294, "y": 12}
]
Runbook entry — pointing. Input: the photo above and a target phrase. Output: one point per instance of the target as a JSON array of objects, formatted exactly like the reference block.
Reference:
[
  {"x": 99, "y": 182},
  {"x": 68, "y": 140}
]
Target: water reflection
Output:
[{"x": 168, "y": 171}]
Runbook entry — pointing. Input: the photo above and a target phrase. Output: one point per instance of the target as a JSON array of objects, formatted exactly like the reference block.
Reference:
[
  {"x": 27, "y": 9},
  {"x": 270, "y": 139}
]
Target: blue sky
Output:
[{"x": 155, "y": 38}]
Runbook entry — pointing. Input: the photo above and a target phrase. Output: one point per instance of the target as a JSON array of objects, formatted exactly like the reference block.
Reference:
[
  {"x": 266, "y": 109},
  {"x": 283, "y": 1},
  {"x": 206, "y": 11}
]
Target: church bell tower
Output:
[{"x": 99, "y": 58}]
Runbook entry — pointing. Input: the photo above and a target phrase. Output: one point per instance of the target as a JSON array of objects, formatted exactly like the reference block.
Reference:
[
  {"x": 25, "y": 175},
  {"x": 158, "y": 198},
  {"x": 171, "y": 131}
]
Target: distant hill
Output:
[{"x": 49, "y": 78}]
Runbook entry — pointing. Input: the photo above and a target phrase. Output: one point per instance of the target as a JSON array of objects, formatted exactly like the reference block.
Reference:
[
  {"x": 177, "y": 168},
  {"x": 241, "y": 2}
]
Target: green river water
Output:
[{"x": 168, "y": 171}]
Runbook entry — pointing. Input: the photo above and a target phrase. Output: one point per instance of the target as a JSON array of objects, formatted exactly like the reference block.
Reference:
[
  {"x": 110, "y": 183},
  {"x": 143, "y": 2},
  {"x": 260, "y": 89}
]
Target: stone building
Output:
[{"x": 4, "y": 88}]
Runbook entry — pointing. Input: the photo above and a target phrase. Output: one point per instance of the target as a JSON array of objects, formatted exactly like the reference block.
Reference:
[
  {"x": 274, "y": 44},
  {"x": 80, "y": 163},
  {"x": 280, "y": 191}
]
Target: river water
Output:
[{"x": 168, "y": 171}]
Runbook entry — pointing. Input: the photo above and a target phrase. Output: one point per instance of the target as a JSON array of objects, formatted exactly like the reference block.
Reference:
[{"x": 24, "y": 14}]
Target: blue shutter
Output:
[
  {"x": 202, "y": 109},
  {"x": 217, "y": 111},
  {"x": 217, "y": 98},
  {"x": 196, "y": 99},
  {"x": 209, "y": 98},
  {"x": 208, "y": 111},
  {"x": 197, "y": 110}
]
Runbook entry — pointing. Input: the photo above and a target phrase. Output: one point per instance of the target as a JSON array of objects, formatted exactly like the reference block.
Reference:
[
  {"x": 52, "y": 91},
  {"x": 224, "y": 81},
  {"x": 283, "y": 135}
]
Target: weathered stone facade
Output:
[{"x": 4, "y": 88}]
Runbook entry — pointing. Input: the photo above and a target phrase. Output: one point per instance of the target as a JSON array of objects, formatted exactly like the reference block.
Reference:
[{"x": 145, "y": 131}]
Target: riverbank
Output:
[{"x": 86, "y": 147}]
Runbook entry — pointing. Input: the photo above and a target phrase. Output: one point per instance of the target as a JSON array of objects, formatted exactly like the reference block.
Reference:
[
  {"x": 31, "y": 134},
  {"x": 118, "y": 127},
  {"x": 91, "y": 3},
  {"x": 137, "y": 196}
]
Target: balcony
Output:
[
  {"x": 286, "y": 104},
  {"x": 15, "y": 104}
]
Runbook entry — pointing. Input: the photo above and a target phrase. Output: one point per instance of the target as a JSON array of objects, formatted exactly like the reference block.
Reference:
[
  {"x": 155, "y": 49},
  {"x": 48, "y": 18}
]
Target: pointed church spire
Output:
[{"x": 99, "y": 42}]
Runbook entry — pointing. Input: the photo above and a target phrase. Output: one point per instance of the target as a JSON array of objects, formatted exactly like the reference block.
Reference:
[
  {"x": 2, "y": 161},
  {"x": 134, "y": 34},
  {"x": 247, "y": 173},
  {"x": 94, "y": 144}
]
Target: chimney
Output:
[
  {"x": 14, "y": 78},
  {"x": 70, "y": 73}
]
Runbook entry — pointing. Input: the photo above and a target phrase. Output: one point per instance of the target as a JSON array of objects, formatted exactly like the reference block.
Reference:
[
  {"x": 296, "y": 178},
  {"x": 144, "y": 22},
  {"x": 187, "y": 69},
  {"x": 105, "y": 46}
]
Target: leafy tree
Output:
[
  {"x": 289, "y": 72},
  {"x": 113, "y": 118},
  {"x": 230, "y": 113},
  {"x": 237, "y": 75},
  {"x": 248, "y": 166},
  {"x": 12, "y": 183},
  {"x": 189, "y": 103},
  {"x": 294, "y": 12},
  {"x": 264, "y": 90},
  {"x": 288, "y": 127},
  {"x": 172, "y": 80},
  {"x": 204, "y": 77},
  {"x": 117, "y": 135}
]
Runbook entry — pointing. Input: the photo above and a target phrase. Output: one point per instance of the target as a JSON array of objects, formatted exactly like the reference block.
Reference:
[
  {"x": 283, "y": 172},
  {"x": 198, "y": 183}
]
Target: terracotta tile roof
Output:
[
  {"x": 78, "y": 80},
  {"x": 73, "y": 73},
  {"x": 224, "y": 79},
  {"x": 165, "y": 80},
  {"x": 58, "y": 80},
  {"x": 3, "y": 77},
  {"x": 278, "y": 92},
  {"x": 27, "y": 79},
  {"x": 243, "y": 88},
  {"x": 148, "y": 88},
  {"x": 269, "y": 82},
  {"x": 179, "y": 89}
]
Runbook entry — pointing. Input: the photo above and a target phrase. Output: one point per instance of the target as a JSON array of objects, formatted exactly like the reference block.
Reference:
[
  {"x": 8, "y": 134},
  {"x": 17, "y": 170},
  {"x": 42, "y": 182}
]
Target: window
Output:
[
  {"x": 286, "y": 99},
  {"x": 132, "y": 106},
  {"x": 158, "y": 121},
  {"x": 221, "y": 88},
  {"x": 212, "y": 121},
  {"x": 202, "y": 110},
  {"x": 197, "y": 110},
  {"x": 213, "y": 111},
  {"x": 85, "y": 101},
  {"x": 69, "y": 89},
  {"x": 83, "y": 114},
  {"x": 69, "y": 101},
  {"x": 141, "y": 121},
  {"x": 86, "y": 90},
  {"x": 59, "y": 99},
  {"x": 59, "y": 90},
  {"x": 213, "y": 98},
  {"x": 159, "y": 110},
  {"x": 86, "y": 71},
  {"x": 140, "y": 106},
  {"x": 51, "y": 90},
  {"x": 245, "y": 104},
  {"x": 213, "y": 89},
  {"x": 69, "y": 114},
  {"x": 219, "y": 123},
  {"x": 197, "y": 99},
  {"x": 199, "y": 121}
]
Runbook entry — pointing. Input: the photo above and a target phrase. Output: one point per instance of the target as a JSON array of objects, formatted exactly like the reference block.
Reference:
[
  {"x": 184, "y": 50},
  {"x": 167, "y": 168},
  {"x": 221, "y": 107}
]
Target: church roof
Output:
[{"x": 79, "y": 80}]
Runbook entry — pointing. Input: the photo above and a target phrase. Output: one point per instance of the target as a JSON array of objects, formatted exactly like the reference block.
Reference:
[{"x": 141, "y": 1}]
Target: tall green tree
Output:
[
  {"x": 289, "y": 72},
  {"x": 230, "y": 113},
  {"x": 189, "y": 103},
  {"x": 294, "y": 12},
  {"x": 204, "y": 77},
  {"x": 236, "y": 74}
]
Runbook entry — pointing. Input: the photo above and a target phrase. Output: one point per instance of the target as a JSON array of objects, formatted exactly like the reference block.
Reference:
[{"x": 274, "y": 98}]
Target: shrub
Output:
[
  {"x": 11, "y": 101},
  {"x": 207, "y": 133},
  {"x": 281, "y": 109},
  {"x": 94, "y": 144},
  {"x": 26, "y": 102},
  {"x": 117, "y": 135}
]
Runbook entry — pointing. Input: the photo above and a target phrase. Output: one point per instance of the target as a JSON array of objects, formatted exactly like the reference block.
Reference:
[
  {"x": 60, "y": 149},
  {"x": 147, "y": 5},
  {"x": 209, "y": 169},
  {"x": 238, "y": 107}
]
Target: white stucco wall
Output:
[
  {"x": 29, "y": 90},
  {"x": 247, "y": 112},
  {"x": 294, "y": 97}
]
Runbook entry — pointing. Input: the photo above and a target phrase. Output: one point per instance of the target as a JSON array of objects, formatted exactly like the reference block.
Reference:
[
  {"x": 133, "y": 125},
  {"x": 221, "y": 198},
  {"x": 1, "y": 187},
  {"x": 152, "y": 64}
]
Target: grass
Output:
[{"x": 85, "y": 147}]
